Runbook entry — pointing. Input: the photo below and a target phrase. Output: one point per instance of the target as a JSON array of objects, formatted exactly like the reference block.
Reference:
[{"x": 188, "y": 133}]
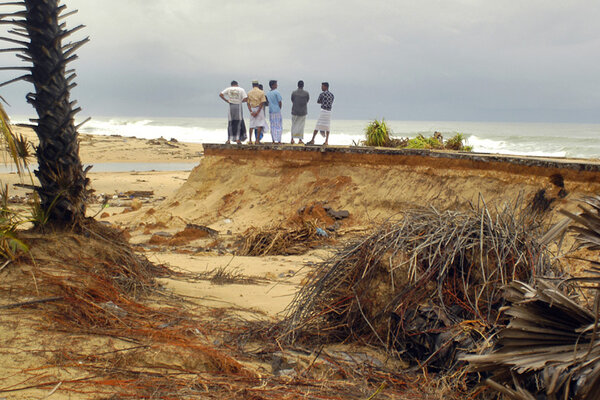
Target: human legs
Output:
[
  {"x": 276, "y": 126},
  {"x": 298, "y": 122},
  {"x": 312, "y": 141},
  {"x": 322, "y": 126},
  {"x": 258, "y": 133}
]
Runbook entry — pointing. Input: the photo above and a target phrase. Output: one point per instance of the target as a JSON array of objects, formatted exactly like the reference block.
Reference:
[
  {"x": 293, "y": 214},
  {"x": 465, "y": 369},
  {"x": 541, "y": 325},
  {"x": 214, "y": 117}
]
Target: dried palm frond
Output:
[
  {"x": 428, "y": 286},
  {"x": 282, "y": 239},
  {"x": 588, "y": 230},
  {"x": 551, "y": 347}
]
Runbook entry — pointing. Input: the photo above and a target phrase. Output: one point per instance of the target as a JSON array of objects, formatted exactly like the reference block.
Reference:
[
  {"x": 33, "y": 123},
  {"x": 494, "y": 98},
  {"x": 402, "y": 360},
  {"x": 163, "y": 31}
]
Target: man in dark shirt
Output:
[
  {"x": 324, "y": 122},
  {"x": 300, "y": 98}
]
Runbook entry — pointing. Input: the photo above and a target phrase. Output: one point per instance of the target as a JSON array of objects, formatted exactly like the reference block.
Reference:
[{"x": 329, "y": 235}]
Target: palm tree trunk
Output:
[{"x": 62, "y": 178}]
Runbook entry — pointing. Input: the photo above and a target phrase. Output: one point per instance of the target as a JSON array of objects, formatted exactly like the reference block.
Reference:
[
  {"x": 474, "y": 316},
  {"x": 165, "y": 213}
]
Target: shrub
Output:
[
  {"x": 456, "y": 142},
  {"x": 421, "y": 142},
  {"x": 377, "y": 134}
]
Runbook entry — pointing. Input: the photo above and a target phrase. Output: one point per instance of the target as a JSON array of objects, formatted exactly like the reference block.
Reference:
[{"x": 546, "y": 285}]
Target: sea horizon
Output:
[{"x": 571, "y": 140}]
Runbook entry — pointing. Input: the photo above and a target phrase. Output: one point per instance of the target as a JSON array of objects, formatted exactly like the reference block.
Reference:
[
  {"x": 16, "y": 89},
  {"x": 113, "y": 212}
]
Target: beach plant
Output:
[
  {"x": 39, "y": 34},
  {"x": 457, "y": 142},
  {"x": 422, "y": 142},
  {"x": 377, "y": 134},
  {"x": 10, "y": 219}
]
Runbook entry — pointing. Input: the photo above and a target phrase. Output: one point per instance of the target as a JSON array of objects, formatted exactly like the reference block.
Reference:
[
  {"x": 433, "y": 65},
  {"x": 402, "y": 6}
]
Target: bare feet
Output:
[
  {"x": 294, "y": 142},
  {"x": 300, "y": 141},
  {"x": 325, "y": 144},
  {"x": 228, "y": 142},
  {"x": 250, "y": 142},
  {"x": 311, "y": 142}
]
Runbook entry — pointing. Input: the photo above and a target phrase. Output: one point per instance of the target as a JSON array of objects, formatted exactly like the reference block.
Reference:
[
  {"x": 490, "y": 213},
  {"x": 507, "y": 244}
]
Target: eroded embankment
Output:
[{"x": 237, "y": 187}]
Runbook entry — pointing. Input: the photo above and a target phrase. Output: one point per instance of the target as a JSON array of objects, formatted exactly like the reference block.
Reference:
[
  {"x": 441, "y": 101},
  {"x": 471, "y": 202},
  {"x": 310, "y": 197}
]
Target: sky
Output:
[{"x": 439, "y": 60}]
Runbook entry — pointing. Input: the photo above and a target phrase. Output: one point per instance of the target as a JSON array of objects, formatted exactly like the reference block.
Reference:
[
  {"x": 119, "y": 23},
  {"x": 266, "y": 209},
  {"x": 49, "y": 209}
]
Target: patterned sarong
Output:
[
  {"x": 276, "y": 126},
  {"x": 298, "y": 122},
  {"x": 236, "y": 129}
]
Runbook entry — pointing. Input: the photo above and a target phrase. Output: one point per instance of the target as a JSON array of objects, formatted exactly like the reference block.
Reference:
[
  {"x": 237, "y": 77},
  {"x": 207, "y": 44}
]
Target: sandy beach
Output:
[
  {"x": 131, "y": 194},
  {"x": 196, "y": 223}
]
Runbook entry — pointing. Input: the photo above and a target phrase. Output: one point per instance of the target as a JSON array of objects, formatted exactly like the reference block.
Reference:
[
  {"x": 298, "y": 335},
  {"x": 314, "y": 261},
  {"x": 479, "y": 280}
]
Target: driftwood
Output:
[{"x": 30, "y": 302}]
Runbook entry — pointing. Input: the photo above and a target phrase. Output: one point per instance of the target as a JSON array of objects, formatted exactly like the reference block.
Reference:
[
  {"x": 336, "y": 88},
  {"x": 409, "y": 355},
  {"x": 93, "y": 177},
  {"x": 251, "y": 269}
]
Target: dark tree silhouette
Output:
[{"x": 39, "y": 33}]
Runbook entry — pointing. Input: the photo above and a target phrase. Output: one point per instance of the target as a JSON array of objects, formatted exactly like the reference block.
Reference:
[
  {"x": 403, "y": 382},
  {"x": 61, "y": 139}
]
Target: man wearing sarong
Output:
[
  {"x": 265, "y": 104},
  {"x": 256, "y": 101},
  {"x": 274, "y": 98},
  {"x": 324, "y": 122},
  {"x": 235, "y": 96},
  {"x": 300, "y": 98}
]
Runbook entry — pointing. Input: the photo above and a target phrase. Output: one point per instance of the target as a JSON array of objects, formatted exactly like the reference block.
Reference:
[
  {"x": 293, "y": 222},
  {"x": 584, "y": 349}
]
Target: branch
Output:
[{"x": 26, "y": 303}]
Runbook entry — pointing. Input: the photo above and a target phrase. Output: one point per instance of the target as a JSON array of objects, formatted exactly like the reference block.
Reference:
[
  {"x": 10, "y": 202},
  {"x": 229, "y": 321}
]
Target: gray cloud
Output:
[{"x": 431, "y": 59}]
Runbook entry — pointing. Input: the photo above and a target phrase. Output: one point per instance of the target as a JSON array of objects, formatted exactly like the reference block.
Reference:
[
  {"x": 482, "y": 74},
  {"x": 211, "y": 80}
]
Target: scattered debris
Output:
[
  {"x": 138, "y": 193},
  {"x": 190, "y": 233},
  {"x": 540, "y": 202},
  {"x": 341, "y": 214},
  {"x": 161, "y": 141},
  {"x": 312, "y": 226},
  {"x": 427, "y": 288},
  {"x": 281, "y": 240}
]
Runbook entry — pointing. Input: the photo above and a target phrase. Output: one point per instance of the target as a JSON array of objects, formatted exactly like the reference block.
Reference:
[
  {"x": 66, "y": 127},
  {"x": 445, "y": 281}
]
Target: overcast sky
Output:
[{"x": 481, "y": 60}]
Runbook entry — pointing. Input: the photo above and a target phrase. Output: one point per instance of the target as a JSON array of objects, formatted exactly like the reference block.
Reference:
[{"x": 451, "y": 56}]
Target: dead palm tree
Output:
[{"x": 39, "y": 34}]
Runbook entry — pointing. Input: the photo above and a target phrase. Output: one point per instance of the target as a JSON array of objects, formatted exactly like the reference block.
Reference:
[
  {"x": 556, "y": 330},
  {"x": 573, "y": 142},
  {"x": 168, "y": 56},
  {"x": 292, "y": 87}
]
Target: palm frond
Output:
[
  {"x": 551, "y": 347},
  {"x": 12, "y": 142}
]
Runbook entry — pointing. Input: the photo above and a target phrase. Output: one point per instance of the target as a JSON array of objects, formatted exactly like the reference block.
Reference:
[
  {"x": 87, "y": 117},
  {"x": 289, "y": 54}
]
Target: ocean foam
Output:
[{"x": 549, "y": 140}]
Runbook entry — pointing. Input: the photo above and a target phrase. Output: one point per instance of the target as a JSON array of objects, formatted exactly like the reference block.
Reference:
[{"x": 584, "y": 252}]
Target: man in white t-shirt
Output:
[{"x": 235, "y": 96}]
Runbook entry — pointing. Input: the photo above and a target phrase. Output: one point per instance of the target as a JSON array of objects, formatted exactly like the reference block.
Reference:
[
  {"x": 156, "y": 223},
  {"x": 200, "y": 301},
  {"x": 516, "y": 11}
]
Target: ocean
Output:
[{"x": 534, "y": 139}]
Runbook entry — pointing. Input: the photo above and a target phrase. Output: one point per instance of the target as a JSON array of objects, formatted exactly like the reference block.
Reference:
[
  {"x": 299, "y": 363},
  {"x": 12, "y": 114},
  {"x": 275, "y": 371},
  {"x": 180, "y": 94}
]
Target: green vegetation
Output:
[
  {"x": 456, "y": 142},
  {"x": 17, "y": 149},
  {"x": 10, "y": 220},
  {"x": 378, "y": 134},
  {"x": 421, "y": 142}
]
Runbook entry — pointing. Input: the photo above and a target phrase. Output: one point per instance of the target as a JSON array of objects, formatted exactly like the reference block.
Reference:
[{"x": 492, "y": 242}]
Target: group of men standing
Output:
[{"x": 257, "y": 100}]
